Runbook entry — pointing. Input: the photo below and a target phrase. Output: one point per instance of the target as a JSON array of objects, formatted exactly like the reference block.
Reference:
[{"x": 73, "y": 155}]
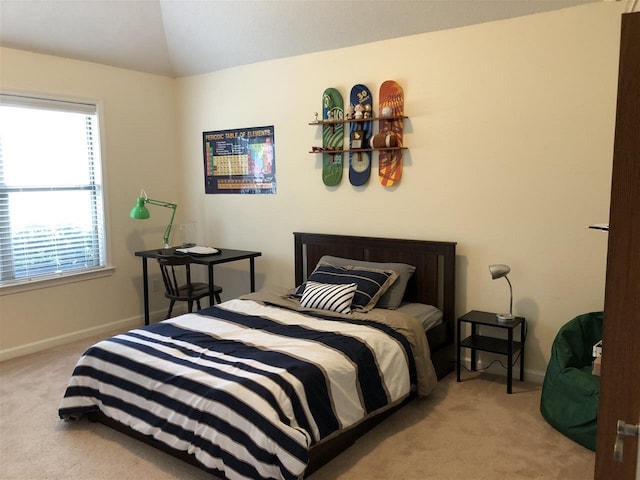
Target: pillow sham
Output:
[
  {"x": 392, "y": 298},
  {"x": 332, "y": 297},
  {"x": 371, "y": 283}
]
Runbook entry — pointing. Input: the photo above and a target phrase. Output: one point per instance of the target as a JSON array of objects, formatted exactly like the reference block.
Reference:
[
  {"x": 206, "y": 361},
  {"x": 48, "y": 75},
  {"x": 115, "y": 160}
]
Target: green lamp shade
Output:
[{"x": 139, "y": 212}]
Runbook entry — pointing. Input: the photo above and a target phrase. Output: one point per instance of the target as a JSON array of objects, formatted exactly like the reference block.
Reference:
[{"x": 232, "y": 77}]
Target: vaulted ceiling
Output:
[{"x": 188, "y": 37}]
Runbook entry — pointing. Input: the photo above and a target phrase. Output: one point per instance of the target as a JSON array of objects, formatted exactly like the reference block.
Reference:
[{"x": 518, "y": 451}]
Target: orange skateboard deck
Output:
[{"x": 391, "y": 113}]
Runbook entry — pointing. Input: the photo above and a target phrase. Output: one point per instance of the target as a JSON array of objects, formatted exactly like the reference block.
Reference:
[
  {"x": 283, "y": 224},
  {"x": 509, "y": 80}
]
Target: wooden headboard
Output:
[{"x": 432, "y": 283}]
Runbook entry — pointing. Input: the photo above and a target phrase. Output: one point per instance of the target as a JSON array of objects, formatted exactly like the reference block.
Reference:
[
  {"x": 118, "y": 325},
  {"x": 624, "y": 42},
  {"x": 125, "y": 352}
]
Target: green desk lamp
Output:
[{"x": 140, "y": 212}]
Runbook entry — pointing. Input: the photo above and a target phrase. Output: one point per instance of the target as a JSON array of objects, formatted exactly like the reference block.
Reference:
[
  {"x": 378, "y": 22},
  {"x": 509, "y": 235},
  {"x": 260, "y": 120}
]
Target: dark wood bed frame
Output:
[{"x": 432, "y": 283}]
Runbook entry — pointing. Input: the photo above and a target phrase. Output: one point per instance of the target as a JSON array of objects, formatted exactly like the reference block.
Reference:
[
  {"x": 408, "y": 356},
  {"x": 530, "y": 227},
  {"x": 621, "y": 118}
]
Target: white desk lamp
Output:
[{"x": 499, "y": 271}]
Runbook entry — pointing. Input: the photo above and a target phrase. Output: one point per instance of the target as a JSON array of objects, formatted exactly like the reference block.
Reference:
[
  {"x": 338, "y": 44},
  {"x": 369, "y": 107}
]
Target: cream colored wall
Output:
[
  {"x": 510, "y": 146},
  {"x": 527, "y": 103},
  {"x": 139, "y": 150}
]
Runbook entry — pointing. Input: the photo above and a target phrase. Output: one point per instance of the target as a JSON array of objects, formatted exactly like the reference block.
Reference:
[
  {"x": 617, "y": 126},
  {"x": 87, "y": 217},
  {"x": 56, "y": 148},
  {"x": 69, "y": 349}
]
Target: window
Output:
[{"x": 51, "y": 205}]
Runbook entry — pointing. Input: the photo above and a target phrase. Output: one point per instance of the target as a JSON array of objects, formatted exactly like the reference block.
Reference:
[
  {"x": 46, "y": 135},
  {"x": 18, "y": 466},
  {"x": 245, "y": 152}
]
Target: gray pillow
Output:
[
  {"x": 428, "y": 315},
  {"x": 392, "y": 298}
]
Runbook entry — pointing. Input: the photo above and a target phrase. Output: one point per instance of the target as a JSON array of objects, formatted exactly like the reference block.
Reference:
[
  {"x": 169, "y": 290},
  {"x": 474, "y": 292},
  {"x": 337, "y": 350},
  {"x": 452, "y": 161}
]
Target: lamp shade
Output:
[
  {"x": 499, "y": 270},
  {"x": 140, "y": 212}
]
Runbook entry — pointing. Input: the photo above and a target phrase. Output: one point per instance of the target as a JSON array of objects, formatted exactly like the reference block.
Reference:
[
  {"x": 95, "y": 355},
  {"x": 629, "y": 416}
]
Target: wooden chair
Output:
[{"x": 171, "y": 268}]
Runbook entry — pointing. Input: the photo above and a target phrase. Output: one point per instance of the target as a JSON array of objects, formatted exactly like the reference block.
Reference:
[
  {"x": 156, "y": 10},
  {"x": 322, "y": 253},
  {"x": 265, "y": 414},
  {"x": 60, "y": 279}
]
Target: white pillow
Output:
[{"x": 327, "y": 296}]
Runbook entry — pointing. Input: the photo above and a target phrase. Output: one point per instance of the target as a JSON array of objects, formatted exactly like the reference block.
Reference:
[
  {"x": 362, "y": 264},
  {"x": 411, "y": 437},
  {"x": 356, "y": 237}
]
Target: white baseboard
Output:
[{"x": 47, "y": 343}]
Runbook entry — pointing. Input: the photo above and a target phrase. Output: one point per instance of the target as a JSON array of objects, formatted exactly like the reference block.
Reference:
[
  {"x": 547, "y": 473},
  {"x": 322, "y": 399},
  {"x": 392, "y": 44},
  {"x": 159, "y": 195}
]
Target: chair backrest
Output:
[{"x": 170, "y": 267}]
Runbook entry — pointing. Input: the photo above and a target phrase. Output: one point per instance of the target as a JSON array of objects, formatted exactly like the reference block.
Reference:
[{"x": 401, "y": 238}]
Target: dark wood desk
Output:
[{"x": 225, "y": 256}]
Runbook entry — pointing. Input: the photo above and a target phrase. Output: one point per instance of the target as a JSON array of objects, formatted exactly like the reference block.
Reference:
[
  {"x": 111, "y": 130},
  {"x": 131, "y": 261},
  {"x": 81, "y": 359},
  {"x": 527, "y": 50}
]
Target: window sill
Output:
[{"x": 55, "y": 281}]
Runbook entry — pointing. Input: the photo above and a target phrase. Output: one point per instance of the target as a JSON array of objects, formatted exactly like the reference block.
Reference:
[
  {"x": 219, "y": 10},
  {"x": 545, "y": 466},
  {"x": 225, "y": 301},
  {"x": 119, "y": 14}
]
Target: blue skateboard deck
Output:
[{"x": 360, "y": 131}]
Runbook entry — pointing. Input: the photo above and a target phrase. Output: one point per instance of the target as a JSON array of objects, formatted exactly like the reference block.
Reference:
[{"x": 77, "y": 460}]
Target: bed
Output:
[{"x": 276, "y": 383}]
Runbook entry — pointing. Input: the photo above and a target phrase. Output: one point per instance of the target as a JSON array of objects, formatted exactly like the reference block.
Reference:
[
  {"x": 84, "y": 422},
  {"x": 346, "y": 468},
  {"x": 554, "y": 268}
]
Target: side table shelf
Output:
[
  {"x": 486, "y": 343},
  {"x": 490, "y": 344}
]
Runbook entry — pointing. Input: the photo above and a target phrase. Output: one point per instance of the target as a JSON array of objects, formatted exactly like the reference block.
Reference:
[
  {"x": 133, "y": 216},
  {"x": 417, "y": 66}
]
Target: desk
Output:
[{"x": 225, "y": 256}]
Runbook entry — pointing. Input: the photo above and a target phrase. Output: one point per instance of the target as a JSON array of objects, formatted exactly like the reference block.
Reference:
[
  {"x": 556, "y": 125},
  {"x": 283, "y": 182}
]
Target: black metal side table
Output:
[{"x": 486, "y": 343}]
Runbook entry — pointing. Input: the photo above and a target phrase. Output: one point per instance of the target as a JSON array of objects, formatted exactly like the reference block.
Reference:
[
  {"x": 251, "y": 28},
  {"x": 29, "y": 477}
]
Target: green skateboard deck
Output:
[
  {"x": 391, "y": 103},
  {"x": 360, "y": 131},
  {"x": 332, "y": 136}
]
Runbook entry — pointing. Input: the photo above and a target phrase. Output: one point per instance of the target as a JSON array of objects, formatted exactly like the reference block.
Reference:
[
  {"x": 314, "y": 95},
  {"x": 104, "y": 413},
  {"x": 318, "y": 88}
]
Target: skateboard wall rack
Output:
[
  {"x": 354, "y": 150},
  {"x": 355, "y": 120}
]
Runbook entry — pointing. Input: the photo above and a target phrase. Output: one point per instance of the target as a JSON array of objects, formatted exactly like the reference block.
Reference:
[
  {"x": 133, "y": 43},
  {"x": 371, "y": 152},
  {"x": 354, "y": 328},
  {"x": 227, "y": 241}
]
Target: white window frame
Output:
[{"x": 64, "y": 277}]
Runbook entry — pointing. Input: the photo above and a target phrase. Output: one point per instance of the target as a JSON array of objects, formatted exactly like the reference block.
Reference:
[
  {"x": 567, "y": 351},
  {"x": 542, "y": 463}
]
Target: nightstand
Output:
[{"x": 486, "y": 343}]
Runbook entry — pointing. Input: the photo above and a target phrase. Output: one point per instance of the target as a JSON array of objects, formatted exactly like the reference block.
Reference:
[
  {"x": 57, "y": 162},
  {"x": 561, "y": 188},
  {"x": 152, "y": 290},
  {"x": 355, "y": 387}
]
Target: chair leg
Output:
[
  {"x": 218, "y": 298},
  {"x": 198, "y": 303},
  {"x": 170, "y": 309},
  {"x": 190, "y": 306}
]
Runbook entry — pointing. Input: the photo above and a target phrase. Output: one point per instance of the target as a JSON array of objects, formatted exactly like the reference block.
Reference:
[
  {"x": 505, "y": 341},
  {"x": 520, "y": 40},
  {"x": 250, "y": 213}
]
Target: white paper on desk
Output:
[{"x": 198, "y": 250}]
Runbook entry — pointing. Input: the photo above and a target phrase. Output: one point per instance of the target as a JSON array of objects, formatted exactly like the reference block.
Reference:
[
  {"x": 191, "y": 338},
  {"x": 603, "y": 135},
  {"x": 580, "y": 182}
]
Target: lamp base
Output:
[{"x": 505, "y": 317}]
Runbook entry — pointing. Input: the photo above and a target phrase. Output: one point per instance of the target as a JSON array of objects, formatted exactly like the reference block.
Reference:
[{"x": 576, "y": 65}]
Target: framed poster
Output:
[{"x": 239, "y": 161}]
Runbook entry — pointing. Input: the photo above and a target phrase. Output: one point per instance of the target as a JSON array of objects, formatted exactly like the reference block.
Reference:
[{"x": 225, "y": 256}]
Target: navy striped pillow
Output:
[
  {"x": 371, "y": 283},
  {"x": 333, "y": 297}
]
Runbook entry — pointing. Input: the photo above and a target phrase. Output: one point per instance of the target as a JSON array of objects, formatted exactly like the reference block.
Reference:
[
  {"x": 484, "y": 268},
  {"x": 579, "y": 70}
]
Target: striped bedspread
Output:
[{"x": 247, "y": 388}]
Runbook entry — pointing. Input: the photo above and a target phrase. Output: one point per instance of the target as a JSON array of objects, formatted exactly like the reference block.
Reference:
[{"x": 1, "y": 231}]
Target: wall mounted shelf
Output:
[
  {"x": 355, "y": 120},
  {"x": 356, "y": 150}
]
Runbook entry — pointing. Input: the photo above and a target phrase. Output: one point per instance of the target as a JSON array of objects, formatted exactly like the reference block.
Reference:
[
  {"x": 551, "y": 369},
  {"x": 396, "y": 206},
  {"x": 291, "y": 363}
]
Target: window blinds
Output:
[{"x": 51, "y": 196}]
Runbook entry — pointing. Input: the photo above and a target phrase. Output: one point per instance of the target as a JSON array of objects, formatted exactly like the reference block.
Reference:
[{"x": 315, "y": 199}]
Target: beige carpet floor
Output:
[{"x": 466, "y": 430}]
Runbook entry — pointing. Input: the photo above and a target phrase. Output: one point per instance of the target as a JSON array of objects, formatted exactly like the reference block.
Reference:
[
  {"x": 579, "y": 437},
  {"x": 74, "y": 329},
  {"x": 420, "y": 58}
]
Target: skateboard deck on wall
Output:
[
  {"x": 360, "y": 132},
  {"x": 391, "y": 104},
  {"x": 332, "y": 136}
]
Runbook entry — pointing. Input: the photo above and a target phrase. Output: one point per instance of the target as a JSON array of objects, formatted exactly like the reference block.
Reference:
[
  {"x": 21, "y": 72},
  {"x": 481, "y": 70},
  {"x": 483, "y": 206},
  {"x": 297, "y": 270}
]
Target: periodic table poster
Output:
[{"x": 240, "y": 160}]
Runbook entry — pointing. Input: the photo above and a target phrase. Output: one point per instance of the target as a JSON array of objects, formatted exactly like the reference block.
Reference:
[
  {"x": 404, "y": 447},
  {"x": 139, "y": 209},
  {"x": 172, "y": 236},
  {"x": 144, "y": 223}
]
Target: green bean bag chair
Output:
[{"x": 570, "y": 392}]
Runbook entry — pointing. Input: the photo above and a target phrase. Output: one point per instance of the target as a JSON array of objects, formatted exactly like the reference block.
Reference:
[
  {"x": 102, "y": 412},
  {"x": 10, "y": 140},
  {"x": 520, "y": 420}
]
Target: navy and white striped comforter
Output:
[{"x": 245, "y": 387}]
